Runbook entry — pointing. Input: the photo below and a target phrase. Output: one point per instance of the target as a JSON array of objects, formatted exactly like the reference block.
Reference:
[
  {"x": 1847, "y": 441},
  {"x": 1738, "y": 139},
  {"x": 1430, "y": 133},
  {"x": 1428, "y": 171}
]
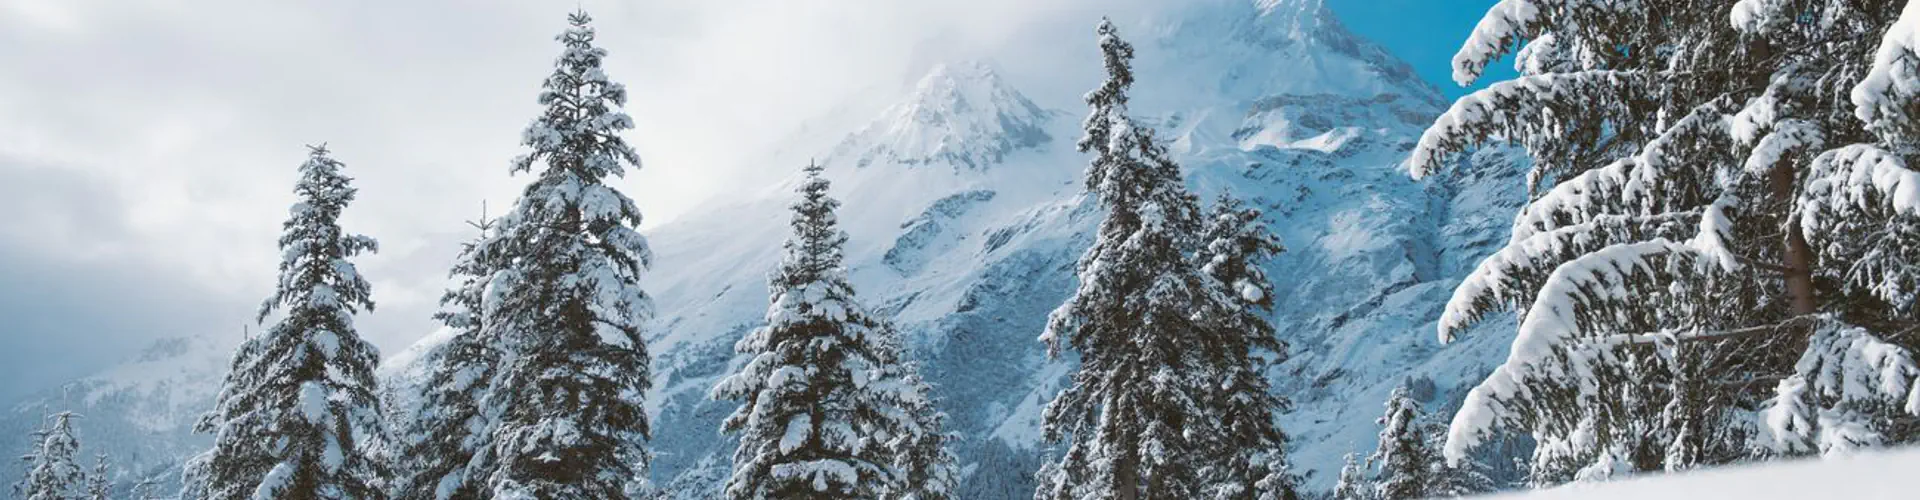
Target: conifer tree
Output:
[
  {"x": 299, "y": 414},
  {"x": 1144, "y": 321},
  {"x": 1729, "y": 178},
  {"x": 52, "y": 473},
  {"x": 1234, "y": 246},
  {"x": 1405, "y": 465},
  {"x": 1353, "y": 484},
  {"x": 564, "y": 299},
  {"x": 100, "y": 482},
  {"x": 821, "y": 393},
  {"x": 444, "y": 453}
]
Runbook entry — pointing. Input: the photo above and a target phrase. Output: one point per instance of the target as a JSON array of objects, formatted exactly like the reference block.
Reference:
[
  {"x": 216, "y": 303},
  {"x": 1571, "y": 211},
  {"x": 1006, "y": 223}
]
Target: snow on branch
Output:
[
  {"x": 1535, "y": 106},
  {"x": 1504, "y": 25},
  {"x": 1846, "y": 375},
  {"x": 1505, "y": 278},
  {"x": 1858, "y": 177},
  {"x": 1861, "y": 206},
  {"x": 1788, "y": 137},
  {"x": 1887, "y": 100},
  {"x": 1762, "y": 16},
  {"x": 1511, "y": 22},
  {"x": 1575, "y": 295}
]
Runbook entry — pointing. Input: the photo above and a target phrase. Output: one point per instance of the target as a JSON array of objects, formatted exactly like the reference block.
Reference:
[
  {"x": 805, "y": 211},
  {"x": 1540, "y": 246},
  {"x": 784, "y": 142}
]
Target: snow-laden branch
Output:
[
  {"x": 1827, "y": 405},
  {"x": 1553, "y": 324},
  {"x": 1505, "y": 24},
  {"x": 1515, "y": 109},
  {"x": 1886, "y": 98},
  {"x": 1505, "y": 278}
]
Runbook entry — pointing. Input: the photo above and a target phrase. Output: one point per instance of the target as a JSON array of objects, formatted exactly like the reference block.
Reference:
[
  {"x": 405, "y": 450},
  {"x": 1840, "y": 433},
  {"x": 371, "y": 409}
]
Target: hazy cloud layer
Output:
[{"x": 148, "y": 147}]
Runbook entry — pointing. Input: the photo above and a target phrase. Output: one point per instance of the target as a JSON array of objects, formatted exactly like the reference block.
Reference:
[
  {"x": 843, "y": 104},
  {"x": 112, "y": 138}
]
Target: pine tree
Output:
[
  {"x": 443, "y": 451},
  {"x": 821, "y": 393},
  {"x": 1144, "y": 320},
  {"x": 100, "y": 482},
  {"x": 1729, "y": 180},
  {"x": 1353, "y": 484},
  {"x": 564, "y": 299},
  {"x": 1235, "y": 245},
  {"x": 1404, "y": 463},
  {"x": 52, "y": 473},
  {"x": 299, "y": 414}
]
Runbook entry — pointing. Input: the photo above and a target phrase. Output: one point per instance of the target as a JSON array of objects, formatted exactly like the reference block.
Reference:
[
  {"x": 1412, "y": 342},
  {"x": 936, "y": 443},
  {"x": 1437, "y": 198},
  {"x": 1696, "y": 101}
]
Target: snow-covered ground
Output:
[{"x": 1866, "y": 476}]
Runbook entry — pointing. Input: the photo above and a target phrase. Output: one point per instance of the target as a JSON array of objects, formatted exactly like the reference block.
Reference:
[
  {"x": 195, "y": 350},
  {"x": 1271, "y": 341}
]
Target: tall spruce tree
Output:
[
  {"x": 299, "y": 414},
  {"x": 52, "y": 473},
  {"x": 444, "y": 451},
  {"x": 827, "y": 405},
  {"x": 1250, "y": 445},
  {"x": 564, "y": 301},
  {"x": 1731, "y": 180},
  {"x": 1145, "y": 321}
]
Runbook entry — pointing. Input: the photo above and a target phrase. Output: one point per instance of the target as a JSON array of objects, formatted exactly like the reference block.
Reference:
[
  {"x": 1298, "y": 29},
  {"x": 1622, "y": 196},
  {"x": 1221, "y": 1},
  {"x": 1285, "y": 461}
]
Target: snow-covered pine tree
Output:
[
  {"x": 1144, "y": 321},
  {"x": 1353, "y": 484},
  {"x": 28, "y": 457},
  {"x": 1403, "y": 463},
  {"x": 52, "y": 473},
  {"x": 1250, "y": 446},
  {"x": 443, "y": 450},
  {"x": 1732, "y": 178},
  {"x": 819, "y": 394},
  {"x": 564, "y": 299},
  {"x": 299, "y": 414},
  {"x": 100, "y": 481}
]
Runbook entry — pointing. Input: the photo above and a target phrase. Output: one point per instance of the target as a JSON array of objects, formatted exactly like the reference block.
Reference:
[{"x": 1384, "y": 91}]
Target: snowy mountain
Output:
[
  {"x": 1272, "y": 100},
  {"x": 964, "y": 206},
  {"x": 140, "y": 412},
  {"x": 961, "y": 114}
]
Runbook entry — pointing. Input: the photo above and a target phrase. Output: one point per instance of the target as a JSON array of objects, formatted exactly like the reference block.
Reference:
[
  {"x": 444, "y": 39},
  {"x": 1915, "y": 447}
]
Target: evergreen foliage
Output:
[
  {"x": 298, "y": 415},
  {"x": 1720, "y": 202},
  {"x": 563, "y": 301},
  {"x": 829, "y": 409},
  {"x": 1167, "y": 372},
  {"x": 443, "y": 450},
  {"x": 52, "y": 473}
]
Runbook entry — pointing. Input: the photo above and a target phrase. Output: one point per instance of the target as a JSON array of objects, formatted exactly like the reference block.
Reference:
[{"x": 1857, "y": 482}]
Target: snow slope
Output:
[
  {"x": 1868, "y": 476},
  {"x": 140, "y": 412}
]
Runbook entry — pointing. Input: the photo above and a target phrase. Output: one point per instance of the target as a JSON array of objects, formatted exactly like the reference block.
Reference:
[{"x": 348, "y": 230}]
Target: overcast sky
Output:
[{"x": 148, "y": 147}]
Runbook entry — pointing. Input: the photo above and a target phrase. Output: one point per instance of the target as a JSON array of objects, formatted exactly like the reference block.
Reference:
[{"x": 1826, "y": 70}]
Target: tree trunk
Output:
[
  {"x": 1126, "y": 477},
  {"x": 1798, "y": 259}
]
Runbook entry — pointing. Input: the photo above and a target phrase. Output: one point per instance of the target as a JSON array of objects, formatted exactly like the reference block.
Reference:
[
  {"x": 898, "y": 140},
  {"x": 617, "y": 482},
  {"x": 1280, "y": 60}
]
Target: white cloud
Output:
[{"x": 187, "y": 118}]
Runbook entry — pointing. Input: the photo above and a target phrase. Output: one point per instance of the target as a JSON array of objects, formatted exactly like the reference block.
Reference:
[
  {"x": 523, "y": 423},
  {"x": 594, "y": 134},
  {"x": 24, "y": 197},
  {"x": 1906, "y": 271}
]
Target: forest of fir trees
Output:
[{"x": 1715, "y": 267}]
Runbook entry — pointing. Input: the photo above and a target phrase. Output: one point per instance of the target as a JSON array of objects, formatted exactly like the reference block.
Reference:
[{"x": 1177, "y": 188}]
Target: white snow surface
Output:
[{"x": 1877, "y": 475}]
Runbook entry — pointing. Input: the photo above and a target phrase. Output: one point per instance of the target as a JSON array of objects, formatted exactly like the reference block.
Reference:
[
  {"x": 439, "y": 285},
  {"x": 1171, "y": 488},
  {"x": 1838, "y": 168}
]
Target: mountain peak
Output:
[{"x": 962, "y": 114}]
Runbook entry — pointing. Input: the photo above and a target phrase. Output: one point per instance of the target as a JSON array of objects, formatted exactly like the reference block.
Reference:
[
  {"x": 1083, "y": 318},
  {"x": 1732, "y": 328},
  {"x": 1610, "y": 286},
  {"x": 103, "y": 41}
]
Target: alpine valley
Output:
[{"x": 966, "y": 213}]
